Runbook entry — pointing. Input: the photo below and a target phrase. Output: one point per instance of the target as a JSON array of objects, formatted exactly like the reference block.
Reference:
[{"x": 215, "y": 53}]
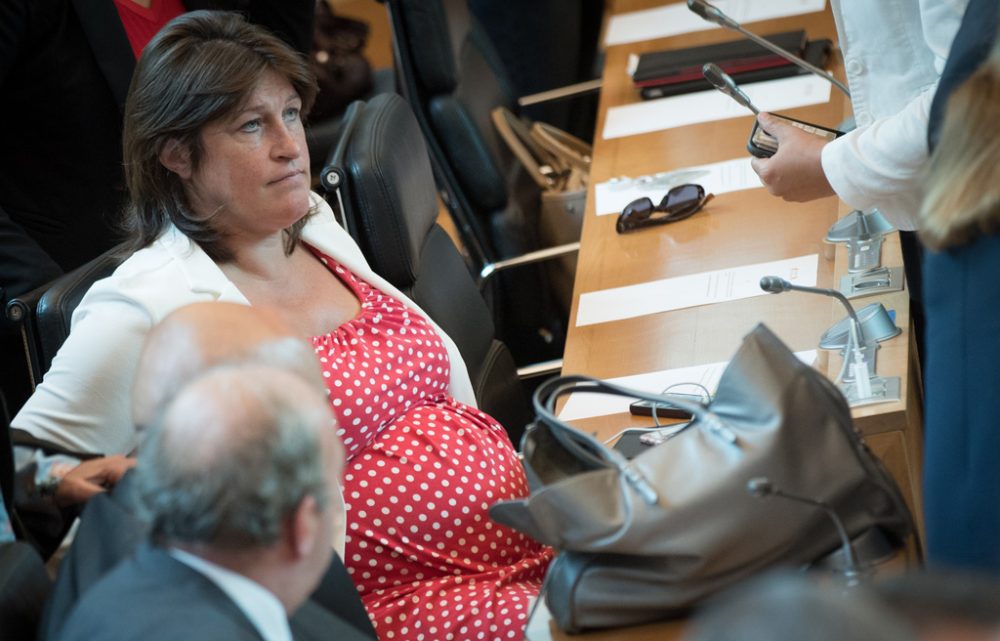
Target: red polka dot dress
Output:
[{"x": 421, "y": 473}]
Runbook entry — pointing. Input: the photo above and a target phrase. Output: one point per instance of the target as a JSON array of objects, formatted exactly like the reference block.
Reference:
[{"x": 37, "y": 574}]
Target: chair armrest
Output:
[
  {"x": 491, "y": 269},
  {"x": 20, "y": 312},
  {"x": 560, "y": 93},
  {"x": 543, "y": 368}
]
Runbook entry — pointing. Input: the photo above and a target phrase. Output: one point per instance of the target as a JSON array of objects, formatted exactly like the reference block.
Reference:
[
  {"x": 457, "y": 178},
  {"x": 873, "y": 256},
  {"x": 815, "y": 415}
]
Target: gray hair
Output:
[{"x": 231, "y": 456}]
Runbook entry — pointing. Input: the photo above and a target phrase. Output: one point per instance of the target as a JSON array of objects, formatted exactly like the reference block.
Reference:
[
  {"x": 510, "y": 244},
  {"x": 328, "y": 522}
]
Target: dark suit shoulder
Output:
[{"x": 154, "y": 597}]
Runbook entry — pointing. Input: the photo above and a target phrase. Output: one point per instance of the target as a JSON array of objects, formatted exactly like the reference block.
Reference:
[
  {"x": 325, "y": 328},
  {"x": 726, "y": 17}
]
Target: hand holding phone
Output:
[{"x": 764, "y": 145}]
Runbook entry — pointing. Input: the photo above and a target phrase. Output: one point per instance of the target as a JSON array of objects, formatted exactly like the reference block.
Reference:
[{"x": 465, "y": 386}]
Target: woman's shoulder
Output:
[{"x": 157, "y": 279}]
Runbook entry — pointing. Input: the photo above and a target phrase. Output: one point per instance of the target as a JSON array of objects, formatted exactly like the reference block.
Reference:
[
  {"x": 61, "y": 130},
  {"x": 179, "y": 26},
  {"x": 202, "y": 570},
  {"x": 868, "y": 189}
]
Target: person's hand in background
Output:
[{"x": 91, "y": 477}]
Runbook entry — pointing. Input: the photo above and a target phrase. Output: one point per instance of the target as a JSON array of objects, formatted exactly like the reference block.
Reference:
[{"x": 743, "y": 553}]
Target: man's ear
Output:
[
  {"x": 304, "y": 527},
  {"x": 176, "y": 157}
]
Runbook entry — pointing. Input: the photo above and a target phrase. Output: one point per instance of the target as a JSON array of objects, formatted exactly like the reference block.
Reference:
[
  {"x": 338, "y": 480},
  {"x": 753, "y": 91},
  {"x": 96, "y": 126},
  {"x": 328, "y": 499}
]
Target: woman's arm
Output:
[{"x": 84, "y": 401}]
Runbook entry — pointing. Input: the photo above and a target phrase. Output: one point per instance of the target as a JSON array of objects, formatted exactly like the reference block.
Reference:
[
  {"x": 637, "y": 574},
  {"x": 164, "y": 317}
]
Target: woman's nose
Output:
[{"x": 288, "y": 143}]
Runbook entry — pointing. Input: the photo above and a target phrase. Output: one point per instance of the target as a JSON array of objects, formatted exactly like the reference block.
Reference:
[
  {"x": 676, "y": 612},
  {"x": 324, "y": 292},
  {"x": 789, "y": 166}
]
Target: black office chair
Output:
[
  {"x": 44, "y": 314},
  {"x": 545, "y": 44},
  {"x": 380, "y": 183},
  {"x": 24, "y": 586},
  {"x": 452, "y": 77}
]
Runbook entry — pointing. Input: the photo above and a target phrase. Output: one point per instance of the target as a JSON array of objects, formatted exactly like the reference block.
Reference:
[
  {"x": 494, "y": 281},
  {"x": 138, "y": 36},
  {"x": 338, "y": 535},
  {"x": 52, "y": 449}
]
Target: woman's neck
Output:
[
  {"x": 145, "y": 4},
  {"x": 265, "y": 260}
]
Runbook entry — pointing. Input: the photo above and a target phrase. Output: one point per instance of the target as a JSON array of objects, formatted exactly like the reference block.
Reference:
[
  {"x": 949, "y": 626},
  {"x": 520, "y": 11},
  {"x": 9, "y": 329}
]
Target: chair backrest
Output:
[
  {"x": 390, "y": 207},
  {"x": 451, "y": 75},
  {"x": 453, "y": 78},
  {"x": 44, "y": 314}
]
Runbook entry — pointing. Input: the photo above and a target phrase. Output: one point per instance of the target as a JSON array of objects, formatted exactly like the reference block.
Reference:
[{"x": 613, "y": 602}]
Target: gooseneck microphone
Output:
[
  {"x": 776, "y": 285},
  {"x": 762, "y": 488},
  {"x": 713, "y": 14},
  {"x": 724, "y": 83},
  {"x": 854, "y": 358}
]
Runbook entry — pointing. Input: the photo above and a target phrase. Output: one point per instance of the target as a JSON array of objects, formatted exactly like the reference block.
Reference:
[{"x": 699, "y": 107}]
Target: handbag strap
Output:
[
  {"x": 589, "y": 449},
  {"x": 540, "y": 164},
  {"x": 546, "y": 395},
  {"x": 565, "y": 146}
]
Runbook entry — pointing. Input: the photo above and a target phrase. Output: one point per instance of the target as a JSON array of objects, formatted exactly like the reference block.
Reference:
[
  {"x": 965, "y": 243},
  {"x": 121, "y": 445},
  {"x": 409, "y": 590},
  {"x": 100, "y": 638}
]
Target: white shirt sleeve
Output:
[
  {"x": 83, "y": 404},
  {"x": 880, "y": 164}
]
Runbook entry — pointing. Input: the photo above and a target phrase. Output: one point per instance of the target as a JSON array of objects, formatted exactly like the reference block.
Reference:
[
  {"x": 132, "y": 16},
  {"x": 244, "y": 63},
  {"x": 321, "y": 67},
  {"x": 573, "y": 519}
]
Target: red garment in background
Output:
[{"x": 141, "y": 24}]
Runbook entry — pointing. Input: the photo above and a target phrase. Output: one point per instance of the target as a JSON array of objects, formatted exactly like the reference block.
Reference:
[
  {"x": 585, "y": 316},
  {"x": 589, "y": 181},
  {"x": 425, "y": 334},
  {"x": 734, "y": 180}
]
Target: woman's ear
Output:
[{"x": 176, "y": 157}]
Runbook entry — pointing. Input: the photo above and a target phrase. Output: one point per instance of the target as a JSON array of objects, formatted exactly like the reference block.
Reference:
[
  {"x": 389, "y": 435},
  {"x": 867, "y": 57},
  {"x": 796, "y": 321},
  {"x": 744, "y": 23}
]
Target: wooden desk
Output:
[{"x": 735, "y": 229}]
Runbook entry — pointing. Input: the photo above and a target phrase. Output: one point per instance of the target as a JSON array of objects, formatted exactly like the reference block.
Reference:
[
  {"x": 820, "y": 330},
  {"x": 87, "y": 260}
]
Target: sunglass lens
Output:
[
  {"x": 634, "y": 214},
  {"x": 638, "y": 209},
  {"x": 682, "y": 197}
]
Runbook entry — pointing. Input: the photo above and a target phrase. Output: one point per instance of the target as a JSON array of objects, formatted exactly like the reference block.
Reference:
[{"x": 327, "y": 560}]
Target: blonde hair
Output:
[{"x": 962, "y": 199}]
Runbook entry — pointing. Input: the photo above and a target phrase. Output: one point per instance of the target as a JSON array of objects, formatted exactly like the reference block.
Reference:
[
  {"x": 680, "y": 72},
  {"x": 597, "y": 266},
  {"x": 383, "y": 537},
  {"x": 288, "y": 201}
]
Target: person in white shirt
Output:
[{"x": 894, "y": 52}]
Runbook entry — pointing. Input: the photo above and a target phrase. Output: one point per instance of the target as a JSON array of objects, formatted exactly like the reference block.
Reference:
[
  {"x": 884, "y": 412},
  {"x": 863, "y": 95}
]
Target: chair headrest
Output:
[{"x": 392, "y": 187}]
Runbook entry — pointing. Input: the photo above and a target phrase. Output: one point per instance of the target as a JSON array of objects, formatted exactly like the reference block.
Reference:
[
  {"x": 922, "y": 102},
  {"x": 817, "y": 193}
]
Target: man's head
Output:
[
  {"x": 202, "y": 335},
  {"x": 241, "y": 468}
]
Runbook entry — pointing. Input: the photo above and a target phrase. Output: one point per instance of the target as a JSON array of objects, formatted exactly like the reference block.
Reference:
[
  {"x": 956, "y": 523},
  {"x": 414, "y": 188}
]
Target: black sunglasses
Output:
[{"x": 683, "y": 201}]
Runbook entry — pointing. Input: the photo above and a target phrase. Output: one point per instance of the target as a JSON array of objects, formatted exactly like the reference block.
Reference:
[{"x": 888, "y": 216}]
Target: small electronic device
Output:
[
  {"x": 645, "y": 408},
  {"x": 761, "y": 143},
  {"x": 764, "y": 145}
]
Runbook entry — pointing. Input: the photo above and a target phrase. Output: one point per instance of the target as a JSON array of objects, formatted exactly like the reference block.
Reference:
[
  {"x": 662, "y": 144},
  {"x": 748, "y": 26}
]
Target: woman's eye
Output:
[
  {"x": 291, "y": 114},
  {"x": 250, "y": 126}
]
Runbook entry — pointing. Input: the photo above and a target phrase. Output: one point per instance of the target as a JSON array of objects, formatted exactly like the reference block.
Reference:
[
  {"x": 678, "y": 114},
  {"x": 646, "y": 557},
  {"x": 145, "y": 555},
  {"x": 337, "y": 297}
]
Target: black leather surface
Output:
[
  {"x": 452, "y": 76},
  {"x": 46, "y": 312},
  {"x": 475, "y": 168},
  {"x": 435, "y": 59},
  {"x": 24, "y": 585}
]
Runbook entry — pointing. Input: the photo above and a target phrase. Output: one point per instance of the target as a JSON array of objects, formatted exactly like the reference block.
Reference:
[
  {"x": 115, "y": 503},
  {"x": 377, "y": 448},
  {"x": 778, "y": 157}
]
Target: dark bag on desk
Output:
[
  {"x": 559, "y": 163},
  {"x": 648, "y": 538}
]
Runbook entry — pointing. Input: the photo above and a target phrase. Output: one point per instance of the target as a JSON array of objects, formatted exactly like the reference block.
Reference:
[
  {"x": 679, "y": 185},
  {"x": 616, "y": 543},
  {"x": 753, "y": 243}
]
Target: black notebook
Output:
[{"x": 668, "y": 73}]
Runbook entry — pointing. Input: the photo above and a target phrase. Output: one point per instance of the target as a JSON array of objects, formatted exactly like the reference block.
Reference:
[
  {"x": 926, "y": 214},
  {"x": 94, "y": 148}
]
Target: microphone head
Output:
[
  {"x": 719, "y": 78},
  {"x": 760, "y": 487},
  {"x": 710, "y": 13},
  {"x": 700, "y": 7},
  {"x": 725, "y": 83},
  {"x": 774, "y": 284}
]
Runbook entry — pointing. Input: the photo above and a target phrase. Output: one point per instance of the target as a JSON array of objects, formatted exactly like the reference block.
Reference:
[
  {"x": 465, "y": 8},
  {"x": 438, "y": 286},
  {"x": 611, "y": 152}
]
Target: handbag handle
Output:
[
  {"x": 565, "y": 146},
  {"x": 545, "y": 397},
  {"x": 541, "y": 165},
  {"x": 590, "y": 450}
]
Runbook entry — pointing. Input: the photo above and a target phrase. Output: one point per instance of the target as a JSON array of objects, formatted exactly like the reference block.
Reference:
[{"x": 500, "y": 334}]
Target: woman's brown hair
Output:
[
  {"x": 962, "y": 198},
  {"x": 201, "y": 67}
]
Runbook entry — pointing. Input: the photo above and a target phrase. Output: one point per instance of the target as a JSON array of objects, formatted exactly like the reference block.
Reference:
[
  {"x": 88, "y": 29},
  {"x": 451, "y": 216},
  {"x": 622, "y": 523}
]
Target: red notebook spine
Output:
[{"x": 731, "y": 67}]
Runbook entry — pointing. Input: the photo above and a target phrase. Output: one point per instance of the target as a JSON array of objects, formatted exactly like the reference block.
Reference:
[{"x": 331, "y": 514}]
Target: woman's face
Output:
[{"x": 254, "y": 169}]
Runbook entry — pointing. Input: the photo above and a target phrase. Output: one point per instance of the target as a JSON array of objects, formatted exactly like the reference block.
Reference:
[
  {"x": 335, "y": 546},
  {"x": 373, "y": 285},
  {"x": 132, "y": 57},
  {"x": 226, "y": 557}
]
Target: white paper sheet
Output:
[
  {"x": 692, "y": 290},
  {"x": 677, "y": 18},
  {"x": 587, "y": 405},
  {"x": 711, "y": 105},
  {"x": 717, "y": 178}
]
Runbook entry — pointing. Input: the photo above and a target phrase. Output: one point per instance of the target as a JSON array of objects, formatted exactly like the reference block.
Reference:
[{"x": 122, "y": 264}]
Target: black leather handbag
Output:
[{"x": 648, "y": 538}]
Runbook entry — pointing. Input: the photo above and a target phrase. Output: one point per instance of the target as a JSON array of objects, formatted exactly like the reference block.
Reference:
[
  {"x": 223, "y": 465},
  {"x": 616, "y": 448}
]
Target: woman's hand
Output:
[
  {"x": 91, "y": 477},
  {"x": 795, "y": 172}
]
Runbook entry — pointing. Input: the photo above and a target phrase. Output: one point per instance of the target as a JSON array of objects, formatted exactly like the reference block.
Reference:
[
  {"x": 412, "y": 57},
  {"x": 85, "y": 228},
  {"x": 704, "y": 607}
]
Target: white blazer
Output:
[
  {"x": 894, "y": 52},
  {"x": 84, "y": 402}
]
